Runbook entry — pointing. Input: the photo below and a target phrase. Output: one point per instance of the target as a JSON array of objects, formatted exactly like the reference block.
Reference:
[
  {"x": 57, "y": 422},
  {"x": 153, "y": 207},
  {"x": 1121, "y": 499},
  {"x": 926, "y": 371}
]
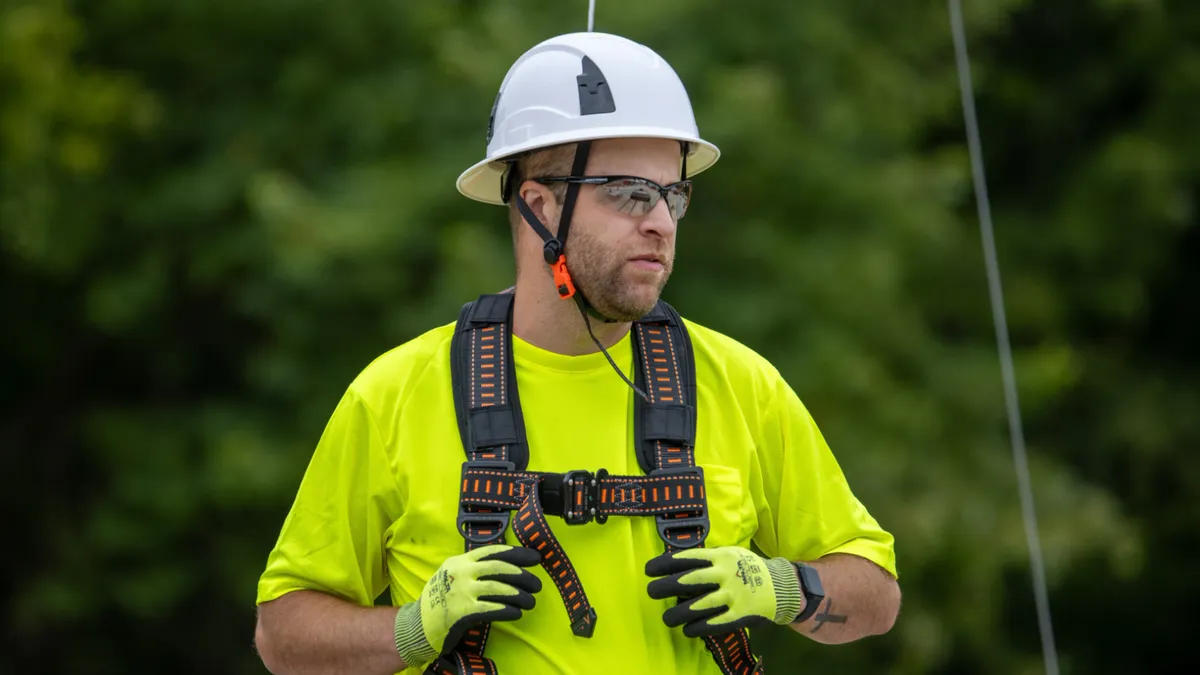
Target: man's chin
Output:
[{"x": 630, "y": 307}]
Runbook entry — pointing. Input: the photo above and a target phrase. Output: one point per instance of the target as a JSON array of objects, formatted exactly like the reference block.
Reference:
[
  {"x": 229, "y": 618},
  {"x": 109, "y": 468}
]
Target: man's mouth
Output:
[{"x": 648, "y": 261}]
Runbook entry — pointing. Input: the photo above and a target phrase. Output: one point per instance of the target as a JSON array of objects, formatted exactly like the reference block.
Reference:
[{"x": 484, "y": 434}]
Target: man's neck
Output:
[{"x": 548, "y": 322}]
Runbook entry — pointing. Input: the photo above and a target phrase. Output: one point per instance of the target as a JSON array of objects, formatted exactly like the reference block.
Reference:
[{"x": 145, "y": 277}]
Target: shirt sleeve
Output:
[
  {"x": 806, "y": 507},
  {"x": 334, "y": 535}
]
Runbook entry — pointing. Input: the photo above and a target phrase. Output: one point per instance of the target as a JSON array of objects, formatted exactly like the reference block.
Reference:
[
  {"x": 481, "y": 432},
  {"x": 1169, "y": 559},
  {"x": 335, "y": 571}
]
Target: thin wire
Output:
[
  {"x": 591, "y": 14},
  {"x": 999, "y": 318},
  {"x": 587, "y": 322}
]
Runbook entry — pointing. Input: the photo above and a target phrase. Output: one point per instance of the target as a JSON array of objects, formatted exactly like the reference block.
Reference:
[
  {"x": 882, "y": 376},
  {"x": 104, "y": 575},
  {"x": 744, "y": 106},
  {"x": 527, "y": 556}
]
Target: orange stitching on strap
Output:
[
  {"x": 672, "y": 510},
  {"x": 503, "y": 383},
  {"x": 642, "y": 338},
  {"x": 639, "y": 480},
  {"x": 474, "y": 501}
]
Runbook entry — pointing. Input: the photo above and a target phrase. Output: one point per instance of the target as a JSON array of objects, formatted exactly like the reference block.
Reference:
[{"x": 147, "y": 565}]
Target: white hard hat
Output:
[{"x": 579, "y": 87}]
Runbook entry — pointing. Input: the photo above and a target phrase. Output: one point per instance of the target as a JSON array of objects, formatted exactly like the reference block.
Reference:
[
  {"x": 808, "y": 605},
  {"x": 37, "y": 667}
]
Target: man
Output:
[{"x": 590, "y": 141}]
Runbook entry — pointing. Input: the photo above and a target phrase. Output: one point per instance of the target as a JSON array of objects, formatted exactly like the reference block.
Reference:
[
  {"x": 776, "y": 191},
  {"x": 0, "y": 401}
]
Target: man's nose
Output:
[{"x": 659, "y": 221}]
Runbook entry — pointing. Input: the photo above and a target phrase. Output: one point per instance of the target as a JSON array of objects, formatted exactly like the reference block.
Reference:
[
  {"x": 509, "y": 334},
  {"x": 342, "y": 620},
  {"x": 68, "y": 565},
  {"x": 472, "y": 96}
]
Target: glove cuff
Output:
[
  {"x": 411, "y": 642},
  {"x": 787, "y": 590}
]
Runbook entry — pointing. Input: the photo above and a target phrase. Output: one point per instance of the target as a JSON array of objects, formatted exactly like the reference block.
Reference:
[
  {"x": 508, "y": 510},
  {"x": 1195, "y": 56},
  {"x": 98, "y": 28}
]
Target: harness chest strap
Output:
[{"x": 583, "y": 496}]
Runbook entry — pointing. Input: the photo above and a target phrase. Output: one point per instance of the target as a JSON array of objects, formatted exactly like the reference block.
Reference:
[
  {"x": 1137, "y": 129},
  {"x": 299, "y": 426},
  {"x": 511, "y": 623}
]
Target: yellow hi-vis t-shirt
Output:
[{"x": 377, "y": 506}]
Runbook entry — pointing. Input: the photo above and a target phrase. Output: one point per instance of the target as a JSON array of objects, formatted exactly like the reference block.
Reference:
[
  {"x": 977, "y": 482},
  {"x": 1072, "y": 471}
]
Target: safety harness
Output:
[{"x": 497, "y": 490}]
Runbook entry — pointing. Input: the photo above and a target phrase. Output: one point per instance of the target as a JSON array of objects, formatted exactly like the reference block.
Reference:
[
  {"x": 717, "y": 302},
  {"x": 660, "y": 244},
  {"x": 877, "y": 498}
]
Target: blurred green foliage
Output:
[{"x": 213, "y": 214}]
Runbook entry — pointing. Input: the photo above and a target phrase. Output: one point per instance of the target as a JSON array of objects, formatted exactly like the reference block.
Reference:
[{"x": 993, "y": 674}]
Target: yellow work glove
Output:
[
  {"x": 480, "y": 586},
  {"x": 724, "y": 589}
]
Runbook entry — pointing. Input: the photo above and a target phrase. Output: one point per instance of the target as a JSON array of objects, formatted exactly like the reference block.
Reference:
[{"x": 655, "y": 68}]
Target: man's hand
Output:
[
  {"x": 724, "y": 589},
  {"x": 483, "y": 585}
]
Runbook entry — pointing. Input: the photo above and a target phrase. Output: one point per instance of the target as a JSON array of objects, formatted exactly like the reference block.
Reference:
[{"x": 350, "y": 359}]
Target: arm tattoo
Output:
[{"x": 823, "y": 617}]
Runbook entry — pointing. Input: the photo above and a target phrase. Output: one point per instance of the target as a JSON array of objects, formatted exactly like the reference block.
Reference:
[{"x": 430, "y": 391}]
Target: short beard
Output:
[{"x": 599, "y": 275}]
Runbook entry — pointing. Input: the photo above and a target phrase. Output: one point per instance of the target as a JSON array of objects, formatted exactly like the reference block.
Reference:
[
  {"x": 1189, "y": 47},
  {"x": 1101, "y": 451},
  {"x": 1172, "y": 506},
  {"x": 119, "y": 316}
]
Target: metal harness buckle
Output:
[
  {"x": 698, "y": 524},
  {"x": 498, "y": 519},
  {"x": 580, "y": 496}
]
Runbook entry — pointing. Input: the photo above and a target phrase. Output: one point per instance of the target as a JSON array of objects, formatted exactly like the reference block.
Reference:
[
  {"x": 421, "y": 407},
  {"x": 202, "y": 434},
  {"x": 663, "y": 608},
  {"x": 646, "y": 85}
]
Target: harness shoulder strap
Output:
[
  {"x": 488, "y": 411},
  {"x": 665, "y": 425},
  {"x": 486, "y": 400},
  {"x": 665, "y": 431}
]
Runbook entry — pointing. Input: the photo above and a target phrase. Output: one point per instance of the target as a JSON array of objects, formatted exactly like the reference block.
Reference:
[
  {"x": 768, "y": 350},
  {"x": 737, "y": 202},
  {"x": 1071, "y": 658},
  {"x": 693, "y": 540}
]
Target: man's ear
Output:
[{"x": 541, "y": 201}]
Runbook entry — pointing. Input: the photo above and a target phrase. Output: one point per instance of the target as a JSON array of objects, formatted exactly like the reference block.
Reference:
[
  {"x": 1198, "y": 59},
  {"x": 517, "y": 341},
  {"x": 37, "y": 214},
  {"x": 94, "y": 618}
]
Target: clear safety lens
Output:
[{"x": 636, "y": 198}]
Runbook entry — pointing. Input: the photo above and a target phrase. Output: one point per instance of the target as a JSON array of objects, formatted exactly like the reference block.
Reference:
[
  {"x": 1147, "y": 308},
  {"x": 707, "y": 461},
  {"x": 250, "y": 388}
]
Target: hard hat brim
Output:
[{"x": 481, "y": 182}]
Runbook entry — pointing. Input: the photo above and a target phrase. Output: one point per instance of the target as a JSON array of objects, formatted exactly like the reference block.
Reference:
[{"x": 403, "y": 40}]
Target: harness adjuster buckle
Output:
[
  {"x": 694, "y": 527},
  {"x": 497, "y": 519}
]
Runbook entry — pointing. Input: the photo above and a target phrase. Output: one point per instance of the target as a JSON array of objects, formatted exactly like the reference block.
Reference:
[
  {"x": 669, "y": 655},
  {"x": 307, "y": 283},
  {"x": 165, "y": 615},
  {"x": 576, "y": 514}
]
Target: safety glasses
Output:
[{"x": 632, "y": 195}]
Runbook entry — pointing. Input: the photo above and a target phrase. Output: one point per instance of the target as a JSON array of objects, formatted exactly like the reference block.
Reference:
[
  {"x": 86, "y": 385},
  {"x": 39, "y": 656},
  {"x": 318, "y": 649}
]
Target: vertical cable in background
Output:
[
  {"x": 982, "y": 202},
  {"x": 591, "y": 14}
]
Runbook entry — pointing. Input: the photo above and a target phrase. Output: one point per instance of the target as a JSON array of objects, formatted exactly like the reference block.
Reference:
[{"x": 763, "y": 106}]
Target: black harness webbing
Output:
[{"x": 495, "y": 483}]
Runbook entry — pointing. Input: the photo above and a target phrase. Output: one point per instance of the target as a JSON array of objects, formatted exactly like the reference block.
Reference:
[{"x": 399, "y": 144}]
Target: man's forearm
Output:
[
  {"x": 311, "y": 633},
  {"x": 861, "y": 599}
]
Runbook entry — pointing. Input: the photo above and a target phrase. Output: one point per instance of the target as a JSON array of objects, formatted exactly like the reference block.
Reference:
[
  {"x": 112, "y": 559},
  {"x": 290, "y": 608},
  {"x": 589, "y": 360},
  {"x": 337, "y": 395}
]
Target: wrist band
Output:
[
  {"x": 411, "y": 643},
  {"x": 787, "y": 590}
]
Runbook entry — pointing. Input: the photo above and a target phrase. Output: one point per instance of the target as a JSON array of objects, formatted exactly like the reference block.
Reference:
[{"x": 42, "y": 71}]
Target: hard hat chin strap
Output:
[{"x": 554, "y": 248}]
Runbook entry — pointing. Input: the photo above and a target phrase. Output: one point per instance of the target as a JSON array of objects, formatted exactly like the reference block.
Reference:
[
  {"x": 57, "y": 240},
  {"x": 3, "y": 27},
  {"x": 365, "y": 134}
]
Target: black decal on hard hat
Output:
[
  {"x": 492, "y": 117},
  {"x": 595, "y": 98}
]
